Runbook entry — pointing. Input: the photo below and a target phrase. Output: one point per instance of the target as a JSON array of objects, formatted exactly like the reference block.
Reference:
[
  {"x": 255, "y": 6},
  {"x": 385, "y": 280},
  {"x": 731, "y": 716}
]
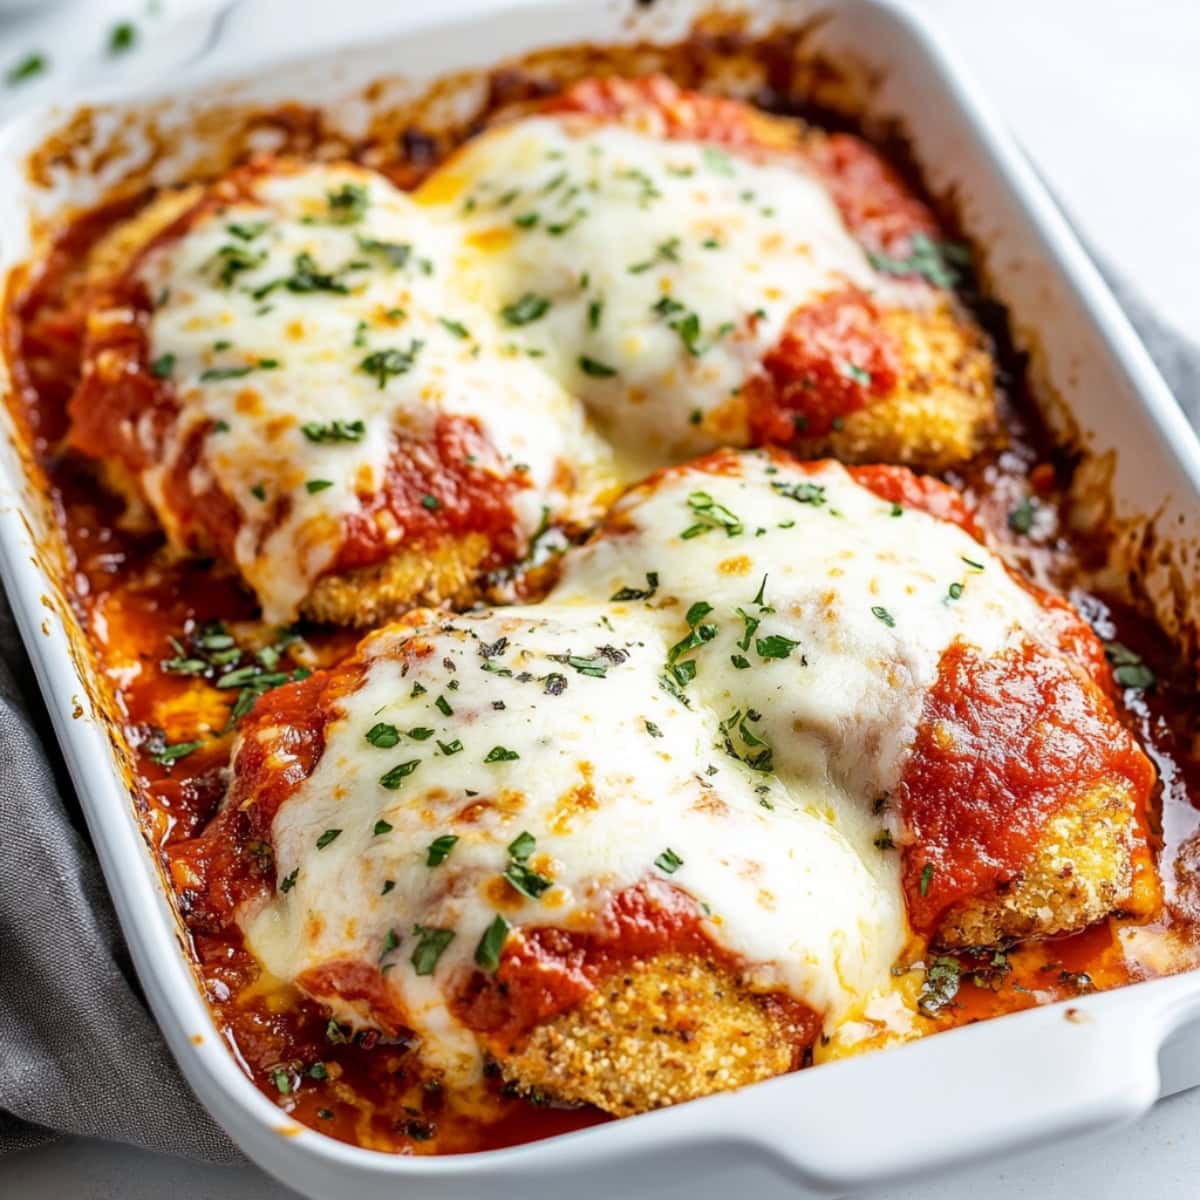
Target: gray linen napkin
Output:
[{"x": 79, "y": 1052}]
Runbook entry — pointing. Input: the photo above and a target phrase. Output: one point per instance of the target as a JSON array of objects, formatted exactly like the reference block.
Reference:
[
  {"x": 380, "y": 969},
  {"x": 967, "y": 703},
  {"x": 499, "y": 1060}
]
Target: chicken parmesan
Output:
[
  {"x": 755, "y": 741},
  {"x": 702, "y": 274},
  {"x": 547, "y": 689},
  {"x": 287, "y": 377}
]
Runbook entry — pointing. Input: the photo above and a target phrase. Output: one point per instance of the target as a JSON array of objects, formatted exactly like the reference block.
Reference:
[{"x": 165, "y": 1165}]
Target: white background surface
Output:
[{"x": 1105, "y": 96}]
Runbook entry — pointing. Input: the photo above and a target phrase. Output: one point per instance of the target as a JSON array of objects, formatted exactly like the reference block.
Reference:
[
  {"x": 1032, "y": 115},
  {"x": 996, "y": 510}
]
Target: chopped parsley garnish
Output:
[
  {"x": 431, "y": 945},
  {"x": 526, "y": 220},
  {"x": 740, "y": 661},
  {"x": 457, "y": 328},
  {"x": 775, "y": 646},
  {"x": 334, "y": 431},
  {"x": 668, "y": 861},
  {"x": 317, "y": 485},
  {"x": 955, "y": 591},
  {"x": 162, "y": 366},
  {"x": 667, "y": 251},
  {"x": 1128, "y": 668},
  {"x": 439, "y": 849},
  {"x": 1020, "y": 520},
  {"x": 856, "y": 373},
  {"x": 248, "y": 232},
  {"x": 802, "y": 493},
  {"x": 882, "y": 614},
  {"x": 487, "y": 953},
  {"x": 596, "y": 667},
  {"x": 652, "y": 729},
  {"x": 500, "y": 754},
  {"x": 289, "y": 881},
  {"x": 348, "y": 204},
  {"x": 443, "y": 706},
  {"x": 383, "y": 735},
  {"x": 522, "y": 846},
  {"x": 330, "y": 835},
  {"x": 527, "y": 309},
  {"x": 394, "y": 254},
  {"x": 27, "y": 68},
  {"x": 598, "y": 370},
  {"x": 938, "y": 262},
  {"x": 393, "y": 778},
  {"x": 383, "y": 364},
  {"x": 388, "y": 885},
  {"x": 169, "y": 754},
  {"x": 390, "y": 943},
  {"x": 430, "y": 502},
  {"x": 420, "y": 733},
  {"x": 259, "y": 493},
  {"x": 940, "y": 986},
  {"x": 282, "y": 1081},
  {"x": 711, "y": 516},
  {"x": 306, "y": 277},
  {"x": 926, "y": 879},
  {"x": 630, "y": 593},
  {"x": 217, "y": 373},
  {"x": 718, "y": 161},
  {"x": 122, "y": 37},
  {"x": 978, "y": 566},
  {"x": 527, "y": 881},
  {"x": 335, "y": 1034},
  {"x": 448, "y": 748},
  {"x": 594, "y": 313}
]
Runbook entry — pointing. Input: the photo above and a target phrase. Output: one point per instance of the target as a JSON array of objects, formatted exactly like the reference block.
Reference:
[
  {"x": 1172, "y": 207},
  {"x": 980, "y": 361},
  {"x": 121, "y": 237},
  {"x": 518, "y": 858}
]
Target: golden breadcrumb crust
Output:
[
  {"x": 663, "y": 1031},
  {"x": 943, "y": 410},
  {"x": 370, "y": 595},
  {"x": 1081, "y": 870}
]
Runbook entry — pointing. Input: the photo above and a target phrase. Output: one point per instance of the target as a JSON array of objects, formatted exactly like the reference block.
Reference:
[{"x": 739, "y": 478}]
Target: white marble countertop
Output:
[{"x": 1105, "y": 96}]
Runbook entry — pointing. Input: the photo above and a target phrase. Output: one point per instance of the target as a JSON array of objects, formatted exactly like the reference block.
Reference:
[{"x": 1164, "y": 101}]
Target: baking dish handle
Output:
[{"x": 1019, "y": 1081}]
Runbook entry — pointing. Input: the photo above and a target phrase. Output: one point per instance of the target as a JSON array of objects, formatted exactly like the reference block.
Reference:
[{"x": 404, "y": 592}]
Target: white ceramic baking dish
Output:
[{"x": 854, "y": 1124}]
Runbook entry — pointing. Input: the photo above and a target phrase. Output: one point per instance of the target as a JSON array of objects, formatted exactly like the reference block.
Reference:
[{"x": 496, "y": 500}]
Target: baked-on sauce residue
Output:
[{"x": 167, "y": 633}]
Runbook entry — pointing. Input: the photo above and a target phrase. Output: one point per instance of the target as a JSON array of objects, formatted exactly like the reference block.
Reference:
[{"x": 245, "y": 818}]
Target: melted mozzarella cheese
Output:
[
  {"x": 813, "y": 619},
  {"x": 607, "y": 774},
  {"x": 270, "y": 314},
  {"x": 670, "y": 267}
]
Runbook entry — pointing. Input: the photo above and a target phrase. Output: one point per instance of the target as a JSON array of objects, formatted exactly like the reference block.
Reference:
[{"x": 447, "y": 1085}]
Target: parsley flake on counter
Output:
[
  {"x": 668, "y": 861},
  {"x": 122, "y": 37},
  {"x": 330, "y": 835},
  {"x": 439, "y": 849},
  {"x": 27, "y": 68},
  {"x": 487, "y": 953},
  {"x": 393, "y": 778},
  {"x": 431, "y": 945}
]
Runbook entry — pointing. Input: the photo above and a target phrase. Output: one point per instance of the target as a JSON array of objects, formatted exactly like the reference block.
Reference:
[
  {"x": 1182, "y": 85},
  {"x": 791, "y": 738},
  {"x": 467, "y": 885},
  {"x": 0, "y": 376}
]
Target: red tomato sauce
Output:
[
  {"x": 834, "y": 357},
  {"x": 1004, "y": 743}
]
